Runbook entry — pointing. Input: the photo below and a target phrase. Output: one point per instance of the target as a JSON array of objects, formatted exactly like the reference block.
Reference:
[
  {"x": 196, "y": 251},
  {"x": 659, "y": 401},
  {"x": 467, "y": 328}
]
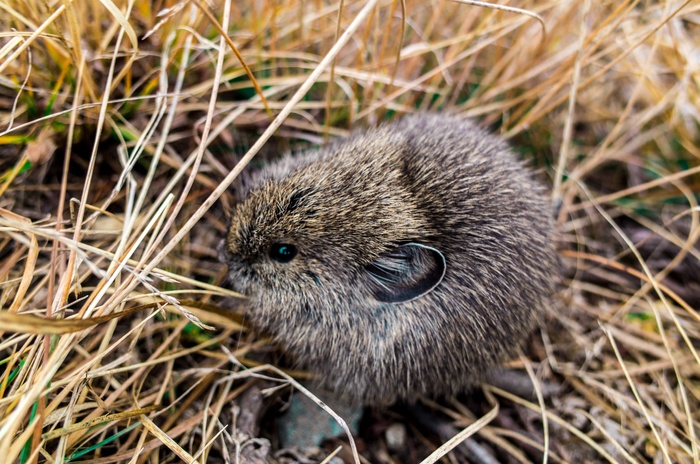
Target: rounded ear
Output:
[{"x": 405, "y": 273}]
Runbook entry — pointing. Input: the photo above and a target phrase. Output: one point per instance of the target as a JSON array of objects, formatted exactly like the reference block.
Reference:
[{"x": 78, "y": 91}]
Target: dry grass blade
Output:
[
  {"x": 320, "y": 404},
  {"x": 27, "y": 43},
  {"x": 661, "y": 443},
  {"x": 28, "y": 323},
  {"x": 637, "y": 274},
  {"x": 566, "y": 142},
  {"x": 169, "y": 442},
  {"x": 461, "y": 436},
  {"x": 233, "y": 47},
  {"x": 98, "y": 420},
  {"x": 509, "y": 9}
]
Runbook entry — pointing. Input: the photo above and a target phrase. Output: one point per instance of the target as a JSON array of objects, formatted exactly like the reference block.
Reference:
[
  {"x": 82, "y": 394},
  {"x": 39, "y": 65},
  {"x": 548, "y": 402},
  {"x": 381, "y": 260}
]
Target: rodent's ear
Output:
[{"x": 405, "y": 273}]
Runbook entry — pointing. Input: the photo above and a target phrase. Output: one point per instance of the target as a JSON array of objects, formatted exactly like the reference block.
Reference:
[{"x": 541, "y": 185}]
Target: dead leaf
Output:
[{"x": 40, "y": 150}]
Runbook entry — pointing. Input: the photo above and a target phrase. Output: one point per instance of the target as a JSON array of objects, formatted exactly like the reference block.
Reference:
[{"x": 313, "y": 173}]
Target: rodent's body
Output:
[{"x": 429, "y": 186}]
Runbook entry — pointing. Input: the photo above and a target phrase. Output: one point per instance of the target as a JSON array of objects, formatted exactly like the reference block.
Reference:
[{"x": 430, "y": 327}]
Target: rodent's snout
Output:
[
  {"x": 239, "y": 271},
  {"x": 226, "y": 256},
  {"x": 239, "y": 277}
]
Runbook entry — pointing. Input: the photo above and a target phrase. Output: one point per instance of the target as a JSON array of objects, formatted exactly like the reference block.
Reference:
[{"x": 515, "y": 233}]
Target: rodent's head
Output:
[{"x": 320, "y": 239}]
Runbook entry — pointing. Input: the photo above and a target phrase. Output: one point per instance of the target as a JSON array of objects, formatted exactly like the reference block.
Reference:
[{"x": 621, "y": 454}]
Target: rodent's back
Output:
[
  {"x": 493, "y": 222},
  {"x": 481, "y": 200}
]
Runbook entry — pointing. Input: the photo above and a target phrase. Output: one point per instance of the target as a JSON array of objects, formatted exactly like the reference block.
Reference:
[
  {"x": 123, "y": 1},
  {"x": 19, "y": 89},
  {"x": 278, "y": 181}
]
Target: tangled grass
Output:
[{"x": 123, "y": 125}]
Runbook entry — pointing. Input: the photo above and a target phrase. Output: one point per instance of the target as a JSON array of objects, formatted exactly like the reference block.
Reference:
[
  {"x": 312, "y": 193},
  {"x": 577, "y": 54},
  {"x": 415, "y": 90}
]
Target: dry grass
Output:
[{"x": 120, "y": 126}]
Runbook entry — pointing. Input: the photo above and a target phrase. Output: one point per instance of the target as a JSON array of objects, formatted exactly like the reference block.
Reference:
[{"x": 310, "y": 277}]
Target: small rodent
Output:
[{"x": 403, "y": 261}]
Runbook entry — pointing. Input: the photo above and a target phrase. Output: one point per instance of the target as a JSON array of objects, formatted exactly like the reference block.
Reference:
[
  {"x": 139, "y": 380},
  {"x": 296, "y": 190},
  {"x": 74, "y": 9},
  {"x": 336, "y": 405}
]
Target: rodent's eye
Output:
[{"x": 283, "y": 252}]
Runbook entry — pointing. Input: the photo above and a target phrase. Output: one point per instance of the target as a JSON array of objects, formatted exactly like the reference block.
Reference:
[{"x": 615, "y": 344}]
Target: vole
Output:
[{"x": 407, "y": 260}]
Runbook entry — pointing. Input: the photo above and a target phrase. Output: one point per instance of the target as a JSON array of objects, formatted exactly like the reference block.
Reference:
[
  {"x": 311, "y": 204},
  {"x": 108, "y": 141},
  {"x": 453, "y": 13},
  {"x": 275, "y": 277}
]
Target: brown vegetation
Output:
[{"x": 122, "y": 125}]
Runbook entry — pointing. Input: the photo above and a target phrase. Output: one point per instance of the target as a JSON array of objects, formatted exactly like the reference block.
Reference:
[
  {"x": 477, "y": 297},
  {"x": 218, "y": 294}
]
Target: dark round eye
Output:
[{"x": 283, "y": 252}]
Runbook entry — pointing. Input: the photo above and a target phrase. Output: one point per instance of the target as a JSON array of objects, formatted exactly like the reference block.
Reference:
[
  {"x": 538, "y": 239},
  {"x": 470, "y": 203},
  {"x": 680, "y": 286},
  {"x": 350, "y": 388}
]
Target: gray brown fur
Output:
[{"x": 431, "y": 179}]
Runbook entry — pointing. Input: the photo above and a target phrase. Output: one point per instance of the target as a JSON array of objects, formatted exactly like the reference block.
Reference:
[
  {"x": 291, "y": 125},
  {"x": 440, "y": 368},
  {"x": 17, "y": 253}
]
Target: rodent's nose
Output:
[
  {"x": 226, "y": 256},
  {"x": 240, "y": 262},
  {"x": 240, "y": 275}
]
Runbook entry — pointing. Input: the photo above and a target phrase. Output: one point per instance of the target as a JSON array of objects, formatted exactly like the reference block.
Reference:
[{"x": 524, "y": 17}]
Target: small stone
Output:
[
  {"x": 395, "y": 436},
  {"x": 305, "y": 424}
]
